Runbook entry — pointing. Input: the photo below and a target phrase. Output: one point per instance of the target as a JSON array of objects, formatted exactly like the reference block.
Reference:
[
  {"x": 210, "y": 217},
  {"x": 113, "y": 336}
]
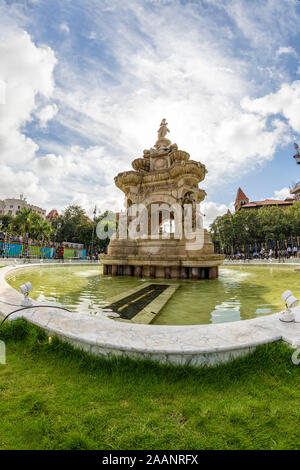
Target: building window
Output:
[{"x": 11, "y": 207}]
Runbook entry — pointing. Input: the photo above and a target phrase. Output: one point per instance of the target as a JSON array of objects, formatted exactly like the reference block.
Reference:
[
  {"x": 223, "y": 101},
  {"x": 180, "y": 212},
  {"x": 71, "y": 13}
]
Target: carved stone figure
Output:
[
  {"x": 163, "y": 130},
  {"x": 162, "y": 141}
]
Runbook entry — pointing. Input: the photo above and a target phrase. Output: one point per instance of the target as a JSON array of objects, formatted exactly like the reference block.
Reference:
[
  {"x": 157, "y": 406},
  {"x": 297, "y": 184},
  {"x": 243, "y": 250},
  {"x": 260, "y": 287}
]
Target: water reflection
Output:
[{"x": 239, "y": 293}]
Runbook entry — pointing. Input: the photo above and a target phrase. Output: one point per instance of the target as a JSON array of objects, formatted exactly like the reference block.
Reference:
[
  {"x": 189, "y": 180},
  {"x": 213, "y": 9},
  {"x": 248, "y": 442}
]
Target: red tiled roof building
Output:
[
  {"x": 242, "y": 202},
  {"x": 52, "y": 215}
]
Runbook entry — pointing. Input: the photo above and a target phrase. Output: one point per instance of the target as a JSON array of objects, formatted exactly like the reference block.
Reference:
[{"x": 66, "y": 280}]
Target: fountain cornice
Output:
[{"x": 192, "y": 169}]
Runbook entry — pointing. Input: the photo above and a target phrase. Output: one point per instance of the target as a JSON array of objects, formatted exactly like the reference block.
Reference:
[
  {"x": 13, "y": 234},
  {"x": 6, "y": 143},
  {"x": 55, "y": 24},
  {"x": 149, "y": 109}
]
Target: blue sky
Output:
[{"x": 87, "y": 83}]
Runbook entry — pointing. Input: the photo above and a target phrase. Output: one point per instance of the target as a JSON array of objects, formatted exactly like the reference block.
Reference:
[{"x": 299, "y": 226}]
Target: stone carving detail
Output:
[{"x": 141, "y": 164}]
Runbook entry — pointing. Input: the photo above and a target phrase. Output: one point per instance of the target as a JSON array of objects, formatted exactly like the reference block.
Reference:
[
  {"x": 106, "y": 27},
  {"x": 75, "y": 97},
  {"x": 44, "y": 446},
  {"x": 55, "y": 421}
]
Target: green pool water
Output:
[{"x": 241, "y": 292}]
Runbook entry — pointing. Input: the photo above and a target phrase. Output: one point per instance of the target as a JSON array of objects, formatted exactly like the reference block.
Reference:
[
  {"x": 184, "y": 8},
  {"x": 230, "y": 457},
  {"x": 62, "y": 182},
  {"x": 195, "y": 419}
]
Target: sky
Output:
[{"x": 85, "y": 84}]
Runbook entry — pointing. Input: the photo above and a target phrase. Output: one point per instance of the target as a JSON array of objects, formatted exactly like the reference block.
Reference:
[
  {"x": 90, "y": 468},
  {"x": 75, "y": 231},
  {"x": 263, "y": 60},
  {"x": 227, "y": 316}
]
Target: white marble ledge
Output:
[{"x": 104, "y": 336}]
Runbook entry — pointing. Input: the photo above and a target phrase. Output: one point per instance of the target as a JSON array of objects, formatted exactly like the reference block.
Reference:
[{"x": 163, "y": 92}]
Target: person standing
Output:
[{"x": 295, "y": 251}]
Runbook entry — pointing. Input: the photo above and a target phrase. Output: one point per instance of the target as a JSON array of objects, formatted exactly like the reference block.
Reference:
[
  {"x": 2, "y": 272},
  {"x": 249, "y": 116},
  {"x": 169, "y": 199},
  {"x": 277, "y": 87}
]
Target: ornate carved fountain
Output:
[{"x": 164, "y": 177}]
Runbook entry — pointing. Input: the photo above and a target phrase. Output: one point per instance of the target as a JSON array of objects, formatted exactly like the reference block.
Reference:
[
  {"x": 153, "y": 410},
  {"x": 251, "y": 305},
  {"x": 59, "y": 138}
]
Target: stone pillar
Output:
[
  {"x": 159, "y": 272},
  {"x": 152, "y": 271},
  {"x": 183, "y": 272},
  {"x": 212, "y": 273},
  {"x": 175, "y": 273},
  {"x": 127, "y": 270},
  {"x": 195, "y": 274},
  {"x": 114, "y": 270},
  {"x": 138, "y": 271},
  {"x": 105, "y": 269},
  {"x": 167, "y": 273},
  {"x": 146, "y": 272}
]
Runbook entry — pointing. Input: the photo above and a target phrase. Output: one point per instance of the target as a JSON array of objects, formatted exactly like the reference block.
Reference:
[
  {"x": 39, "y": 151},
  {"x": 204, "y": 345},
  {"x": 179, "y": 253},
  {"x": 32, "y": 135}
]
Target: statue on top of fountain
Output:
[
  {"x": 162, "y": 145},
  {"x": 162, "y": 132}
]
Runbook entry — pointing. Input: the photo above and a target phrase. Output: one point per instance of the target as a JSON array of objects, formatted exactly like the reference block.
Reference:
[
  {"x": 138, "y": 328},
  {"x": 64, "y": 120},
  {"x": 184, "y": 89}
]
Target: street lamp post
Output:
[
  {"x": 93, "y": 232},
  {"x": 297, "y": 155},
  {"x": 2, "y": 246},
  {"x": 58, "y": 226}
]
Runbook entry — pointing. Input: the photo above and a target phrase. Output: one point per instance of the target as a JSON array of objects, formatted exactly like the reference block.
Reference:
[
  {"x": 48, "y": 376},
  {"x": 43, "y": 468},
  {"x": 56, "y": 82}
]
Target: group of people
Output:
[
  {"x": 277, "y": 253},
  {"x": 271, "y": 253}
]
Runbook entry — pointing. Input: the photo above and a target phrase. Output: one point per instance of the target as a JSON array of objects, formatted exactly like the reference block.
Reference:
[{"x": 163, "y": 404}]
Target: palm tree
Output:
[
  {"x": 41, "y": 229},
  {"x": 23, "y": 221}
]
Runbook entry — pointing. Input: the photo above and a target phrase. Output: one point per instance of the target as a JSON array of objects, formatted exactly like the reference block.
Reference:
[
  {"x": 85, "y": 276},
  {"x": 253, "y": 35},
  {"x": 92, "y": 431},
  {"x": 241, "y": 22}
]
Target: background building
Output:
[
  {"x": 296, "y": 191},
  {"x": 52, "y": 215},
  {"x": 242, "y": 201},
  {"x": 12, "y": 206}
]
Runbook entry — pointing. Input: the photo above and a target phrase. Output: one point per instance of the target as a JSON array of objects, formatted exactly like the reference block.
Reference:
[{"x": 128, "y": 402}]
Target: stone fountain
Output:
[{"x": 160, "y": 233}]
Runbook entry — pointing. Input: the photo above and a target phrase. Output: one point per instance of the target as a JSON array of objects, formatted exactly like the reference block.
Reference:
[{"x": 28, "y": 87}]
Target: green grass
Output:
[{"x": 55, "y": 397}]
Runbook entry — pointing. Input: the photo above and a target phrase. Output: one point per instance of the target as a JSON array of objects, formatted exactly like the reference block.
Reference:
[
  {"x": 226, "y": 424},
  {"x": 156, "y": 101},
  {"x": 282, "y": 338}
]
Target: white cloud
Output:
[
  {"x": 285, "y": 101},
  {"x": 46, "y": 114},
  {"x": 27, "y": 70},
  {"x": 65, "y": 28},
  {"x": 168, "y": 61},
  {"x": 15, "y": 182},
  {"x": 282, "y": 193},
  {"x": 92, "y": 35},
  {"x": 2, "y": 92},
  {"x": 265, "y": 24},
  {"x": 286, "y": 50},
  {"x": 211, "y": 210},
  {"x": 177, "y": 72},
  {"x": 84, "y": 176}
]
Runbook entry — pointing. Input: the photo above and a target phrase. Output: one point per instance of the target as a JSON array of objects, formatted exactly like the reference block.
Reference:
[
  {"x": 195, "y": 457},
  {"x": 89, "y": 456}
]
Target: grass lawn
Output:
[{"x": 55, "y": 397}]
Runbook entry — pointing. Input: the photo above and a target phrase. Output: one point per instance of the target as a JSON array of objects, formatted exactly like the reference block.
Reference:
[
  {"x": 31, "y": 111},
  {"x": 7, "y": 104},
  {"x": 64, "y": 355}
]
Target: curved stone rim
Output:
[{"x": 177, "y": 344}]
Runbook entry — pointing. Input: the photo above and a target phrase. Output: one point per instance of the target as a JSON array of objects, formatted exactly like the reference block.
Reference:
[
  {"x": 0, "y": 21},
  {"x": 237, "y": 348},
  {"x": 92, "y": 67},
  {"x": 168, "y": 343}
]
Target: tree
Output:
[
  {"x": 41, "y": 229},
  {"x": 69, "y": 224},
  {"x": 75, "y": 226},
  {"x": 5, "y": 221},
  {"x": 256, "y": 227},
  {"x": 29, "y": 224},
  {"x": 23, "y": 222}
]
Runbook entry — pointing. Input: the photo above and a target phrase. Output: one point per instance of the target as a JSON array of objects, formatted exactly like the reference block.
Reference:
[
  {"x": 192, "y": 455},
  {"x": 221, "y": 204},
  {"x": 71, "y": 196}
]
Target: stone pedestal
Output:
[
  {"x": 195, "y": 274},
  {"x": 184, "y": 273},
  {"x": 152, "y": 272},
  {"x": 167, "y": 273},
  {"x": 114, "y": 270},
  {"x": 138, "y": 271},
  {"x": 213, "y": 273},
  {"x": 128, "y": 271}
]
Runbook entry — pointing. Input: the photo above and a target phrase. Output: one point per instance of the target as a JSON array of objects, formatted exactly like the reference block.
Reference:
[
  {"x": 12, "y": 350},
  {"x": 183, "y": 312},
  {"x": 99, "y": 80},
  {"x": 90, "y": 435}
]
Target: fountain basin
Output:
[{"x": 195, "y": 345}]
